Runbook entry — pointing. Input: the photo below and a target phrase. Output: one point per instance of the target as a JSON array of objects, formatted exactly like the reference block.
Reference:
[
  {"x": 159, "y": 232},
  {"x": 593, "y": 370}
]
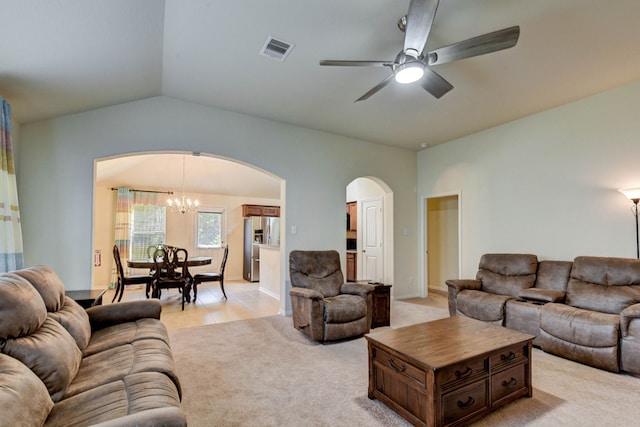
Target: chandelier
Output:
[{"x": 184, "y": 205}]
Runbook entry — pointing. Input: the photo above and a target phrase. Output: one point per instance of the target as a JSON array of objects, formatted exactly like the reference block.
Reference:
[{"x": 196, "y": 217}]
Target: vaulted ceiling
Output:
[{"x": 66, "y": 56}]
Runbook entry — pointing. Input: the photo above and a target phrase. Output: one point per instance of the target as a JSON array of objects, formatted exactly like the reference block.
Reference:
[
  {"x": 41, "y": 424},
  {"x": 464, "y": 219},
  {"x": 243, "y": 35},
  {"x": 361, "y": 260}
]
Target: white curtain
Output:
[
  {"x": 122, "y": 237},
  {"x": 148, "y": 227},
  {"x": 11, "y": 256}
]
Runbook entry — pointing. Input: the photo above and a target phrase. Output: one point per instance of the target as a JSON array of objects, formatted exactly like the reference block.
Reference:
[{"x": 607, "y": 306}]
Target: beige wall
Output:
[
  {"x": 545, "y": 184},
  {"x": 55, "y": 177}
]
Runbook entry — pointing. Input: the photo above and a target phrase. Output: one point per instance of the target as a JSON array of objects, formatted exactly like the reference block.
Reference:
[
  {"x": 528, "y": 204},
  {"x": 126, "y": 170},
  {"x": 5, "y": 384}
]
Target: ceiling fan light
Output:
[{"x": 409, "y": 72}]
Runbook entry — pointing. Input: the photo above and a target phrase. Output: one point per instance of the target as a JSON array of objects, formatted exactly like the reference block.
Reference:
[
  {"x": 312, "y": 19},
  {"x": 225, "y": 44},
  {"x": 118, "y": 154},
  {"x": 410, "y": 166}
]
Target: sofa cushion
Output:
[
  {"x": 21, "y": 308},
  {"x": 344, "y": 308},
  {"x": 114, "y": 364},
  {"x": 608, "y": 285},
  {"x": 541, "y": 295},
  {"x": 505, "y": 285},
  {"x": 24, "y": 399},
  {"x": 507, "y": 274},
  {"x": 126, "y": 333},
  {"x": 586, "y": 336},
  {"x": 509, "y": 264},
  {"x": 578, "y": 326},
  {"x": 132, "y": 394},
  {"x": 553, "y": 275},
  {"x": 75, "y": 320},
  {"x": 47, "y": 283},
  {"x": 51, "y": 353},
  {"x": 482, "y": 305}
]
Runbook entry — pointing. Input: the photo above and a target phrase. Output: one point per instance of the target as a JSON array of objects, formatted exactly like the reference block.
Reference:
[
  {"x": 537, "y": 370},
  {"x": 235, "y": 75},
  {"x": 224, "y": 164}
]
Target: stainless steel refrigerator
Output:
[{"x": 258, "y": 230}]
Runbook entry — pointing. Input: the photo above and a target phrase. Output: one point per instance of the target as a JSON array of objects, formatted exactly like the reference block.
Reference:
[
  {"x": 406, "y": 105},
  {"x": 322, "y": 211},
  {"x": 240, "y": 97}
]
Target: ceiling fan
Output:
[{"x": 413, "y": 64}]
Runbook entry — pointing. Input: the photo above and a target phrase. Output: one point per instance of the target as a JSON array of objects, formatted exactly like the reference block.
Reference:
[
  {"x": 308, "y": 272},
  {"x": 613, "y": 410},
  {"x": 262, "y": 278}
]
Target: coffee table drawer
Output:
[
  {"x": 509, "y": 355},
  {"x": 465, "y": 401},
  {"x": 509, "y": 381},
  {"x": 462, "y": 371},
  {"x": 400, "y": 366}
]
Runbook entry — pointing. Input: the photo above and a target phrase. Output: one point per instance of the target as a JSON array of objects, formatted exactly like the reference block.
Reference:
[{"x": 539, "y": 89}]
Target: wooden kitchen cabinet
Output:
[
  {"x": 352, "y": 210},
  {"x": 260, "y": 210},
  {"x": 351, "y": 266},
  {"x": 270, "y": 211}
]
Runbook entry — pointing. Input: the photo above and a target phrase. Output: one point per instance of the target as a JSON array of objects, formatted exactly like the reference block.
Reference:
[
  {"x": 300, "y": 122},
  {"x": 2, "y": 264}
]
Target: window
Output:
[
  {"x": 148, "y": 227},
  {"x": 209, "y": 228}
]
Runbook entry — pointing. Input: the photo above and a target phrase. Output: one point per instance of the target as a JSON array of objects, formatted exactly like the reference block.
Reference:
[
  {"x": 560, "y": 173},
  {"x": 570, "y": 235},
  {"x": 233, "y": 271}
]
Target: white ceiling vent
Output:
[{"x": 276, "y": 49}]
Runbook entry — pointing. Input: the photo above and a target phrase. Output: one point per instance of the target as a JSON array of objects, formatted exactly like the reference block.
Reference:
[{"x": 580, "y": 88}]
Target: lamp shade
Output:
[{"x": 631, "y": 193}]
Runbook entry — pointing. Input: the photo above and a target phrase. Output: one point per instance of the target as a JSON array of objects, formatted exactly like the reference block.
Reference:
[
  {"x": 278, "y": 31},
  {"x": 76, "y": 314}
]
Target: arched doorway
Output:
[
  {"x": 218, "y": 183},
  {"x": 370, "y": 236}
]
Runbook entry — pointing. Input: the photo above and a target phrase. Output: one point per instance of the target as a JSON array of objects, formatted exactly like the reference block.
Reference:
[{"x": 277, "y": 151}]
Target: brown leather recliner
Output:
[
  {"x": 324, "y": 307},
  {"x": 500, "y": 278},
  {"x": 596, "y": 324}
]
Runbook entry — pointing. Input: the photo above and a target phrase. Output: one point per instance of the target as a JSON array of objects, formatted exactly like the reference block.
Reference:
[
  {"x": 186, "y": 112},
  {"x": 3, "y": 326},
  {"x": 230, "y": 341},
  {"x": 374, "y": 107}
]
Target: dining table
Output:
[
  {"x": 191, "y": 262},
  {"x": 148, "y": 262}
]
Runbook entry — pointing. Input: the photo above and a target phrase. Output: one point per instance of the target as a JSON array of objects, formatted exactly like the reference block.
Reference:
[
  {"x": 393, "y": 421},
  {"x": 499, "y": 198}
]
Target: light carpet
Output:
[{"x": 263, "y": 372}]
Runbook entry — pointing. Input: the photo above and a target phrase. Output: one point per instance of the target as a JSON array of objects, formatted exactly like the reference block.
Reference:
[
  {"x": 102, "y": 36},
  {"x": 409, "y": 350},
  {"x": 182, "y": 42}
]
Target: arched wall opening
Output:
[
  {"x": 217, "y": 182},
  {"x": 375, "y": 224}
]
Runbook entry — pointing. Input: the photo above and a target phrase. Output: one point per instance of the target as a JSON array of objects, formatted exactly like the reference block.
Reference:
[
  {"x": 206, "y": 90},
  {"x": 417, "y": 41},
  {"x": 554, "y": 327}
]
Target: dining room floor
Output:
[{"x": 245, "y": 301}]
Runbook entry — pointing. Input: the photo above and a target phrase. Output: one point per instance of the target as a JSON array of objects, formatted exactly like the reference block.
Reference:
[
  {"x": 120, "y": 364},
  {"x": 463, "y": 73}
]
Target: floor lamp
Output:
[{"x": 633, "y": 194}]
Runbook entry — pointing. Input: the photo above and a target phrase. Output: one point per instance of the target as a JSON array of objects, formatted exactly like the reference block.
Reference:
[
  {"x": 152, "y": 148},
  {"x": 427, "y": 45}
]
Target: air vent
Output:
[{"x": 276, "y": 49}]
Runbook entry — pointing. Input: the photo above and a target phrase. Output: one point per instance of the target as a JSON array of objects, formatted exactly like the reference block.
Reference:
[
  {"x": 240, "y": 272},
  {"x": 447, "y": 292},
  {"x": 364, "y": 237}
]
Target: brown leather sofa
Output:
[
  {"x": 587, "y": 310},
  {"x": 63, "y": 366}
]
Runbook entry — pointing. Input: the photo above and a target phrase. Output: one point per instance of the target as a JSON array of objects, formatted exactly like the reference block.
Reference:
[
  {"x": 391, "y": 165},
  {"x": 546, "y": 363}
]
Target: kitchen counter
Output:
[{"x": 270, "y": 270}]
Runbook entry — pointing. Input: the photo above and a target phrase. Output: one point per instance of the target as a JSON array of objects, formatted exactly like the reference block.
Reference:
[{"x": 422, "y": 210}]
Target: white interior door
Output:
[{"x": 372, "y": 232}]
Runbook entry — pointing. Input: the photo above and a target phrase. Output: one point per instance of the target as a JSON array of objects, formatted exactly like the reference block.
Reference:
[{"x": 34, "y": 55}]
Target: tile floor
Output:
[{"x": 245, "y": 301}]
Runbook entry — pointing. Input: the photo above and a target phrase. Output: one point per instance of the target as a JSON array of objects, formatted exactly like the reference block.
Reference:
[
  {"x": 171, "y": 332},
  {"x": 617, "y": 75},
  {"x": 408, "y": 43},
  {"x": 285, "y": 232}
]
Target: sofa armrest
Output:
[
  {"x": 626, "y": 316},
  {"x": 457, "y": 285},
  {"x": 541, "y": 295},
  {"x": 462, "y": 284},
  {"x": 362, "y": 289},
  {"x": 166, "y": 417},
  {"x": 306, "y": 293},
  {"x": 102, "y": 316}
]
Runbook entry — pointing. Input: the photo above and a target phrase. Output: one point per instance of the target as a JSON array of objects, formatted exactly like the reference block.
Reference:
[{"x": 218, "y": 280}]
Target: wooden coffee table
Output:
[{"x": 448, "y": 372}]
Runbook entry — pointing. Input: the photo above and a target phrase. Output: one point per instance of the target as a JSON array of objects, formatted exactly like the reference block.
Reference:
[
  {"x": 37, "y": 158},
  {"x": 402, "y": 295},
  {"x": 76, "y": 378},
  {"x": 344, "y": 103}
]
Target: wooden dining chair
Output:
[
  {"x": 171, "y": 271},
  {"x": 151, "y": 250},
  {"x": 140, "y": 279},
  {"x": 211, "y": 277}
]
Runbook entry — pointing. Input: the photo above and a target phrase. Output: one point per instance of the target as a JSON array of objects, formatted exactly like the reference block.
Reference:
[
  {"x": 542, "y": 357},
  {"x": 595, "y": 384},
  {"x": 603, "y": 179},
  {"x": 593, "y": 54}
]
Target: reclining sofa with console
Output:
[
  {"x": 587, "y": 310},
  {"x": 63, "y": 366}
]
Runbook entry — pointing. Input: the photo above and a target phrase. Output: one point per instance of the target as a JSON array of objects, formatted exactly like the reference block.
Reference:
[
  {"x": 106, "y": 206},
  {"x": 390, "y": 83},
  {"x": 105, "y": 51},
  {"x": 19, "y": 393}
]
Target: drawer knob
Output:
[
  {"x": 508, "y": 357},
  {"x": 464, "y": 405},
  {"x": 510, "y": 384},
  {"x": 400, "y": 368},
  {"x": 464, "y": 374}
]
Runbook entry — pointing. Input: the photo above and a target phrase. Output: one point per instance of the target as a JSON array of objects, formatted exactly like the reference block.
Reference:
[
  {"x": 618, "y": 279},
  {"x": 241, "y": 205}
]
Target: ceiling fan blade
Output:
[
  {"x": 434, "y": 83},
  {"x": 486, "y": 43},
  {"x": 419, "y": 20},
  {"x": 341, "y": 63},
  {"x": 375, "y": 89}
]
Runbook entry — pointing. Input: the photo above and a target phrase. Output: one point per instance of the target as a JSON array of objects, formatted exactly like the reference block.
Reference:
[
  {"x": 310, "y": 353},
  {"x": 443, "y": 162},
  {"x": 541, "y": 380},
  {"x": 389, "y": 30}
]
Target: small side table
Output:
[
  {"x": 381, "y": 307},
  {"x": 87, "y": 298}
]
